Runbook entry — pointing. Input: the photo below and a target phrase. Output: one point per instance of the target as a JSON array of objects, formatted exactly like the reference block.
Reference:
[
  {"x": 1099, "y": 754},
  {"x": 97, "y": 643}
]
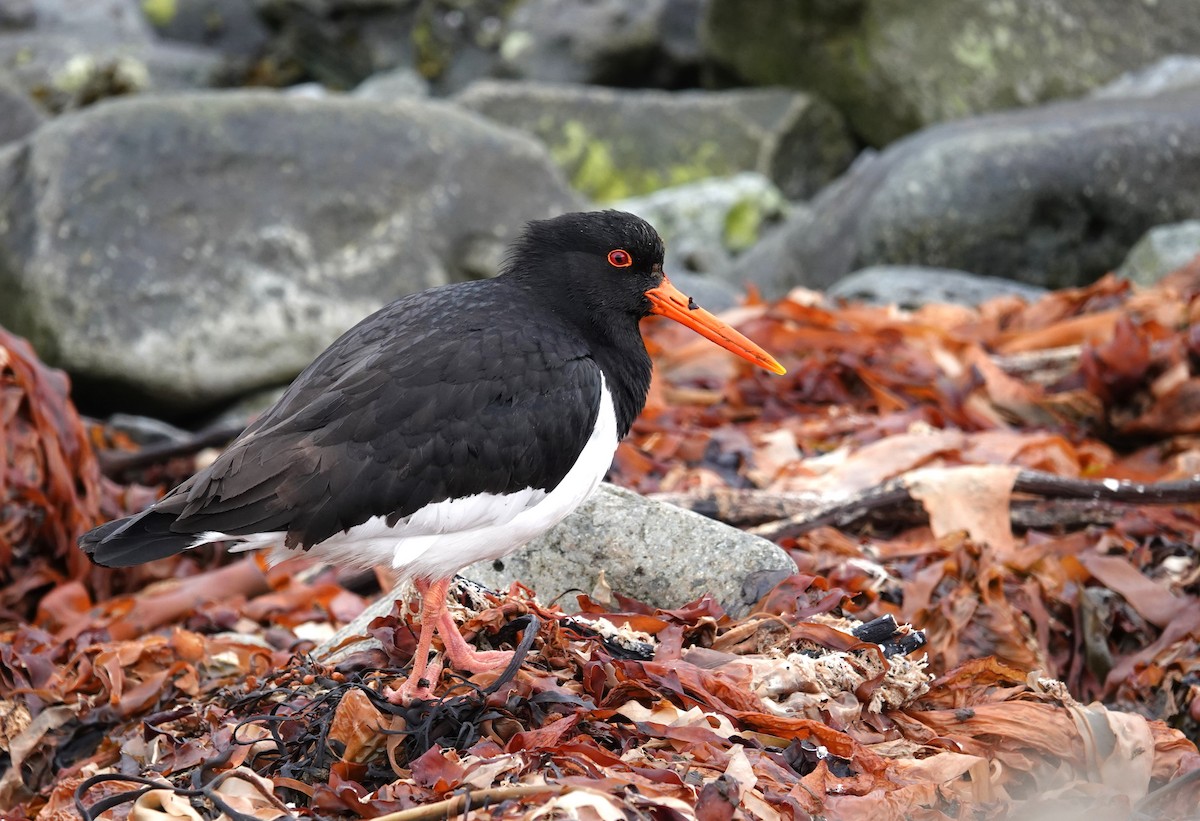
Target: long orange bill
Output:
[{"x": 668, "y": 301}]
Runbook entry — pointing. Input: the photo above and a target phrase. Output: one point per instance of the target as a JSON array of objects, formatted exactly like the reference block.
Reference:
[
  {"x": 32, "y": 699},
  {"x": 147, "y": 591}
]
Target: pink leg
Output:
[
  {"x": 419, "y": 684},
  {"x": 462, "y": 656}
]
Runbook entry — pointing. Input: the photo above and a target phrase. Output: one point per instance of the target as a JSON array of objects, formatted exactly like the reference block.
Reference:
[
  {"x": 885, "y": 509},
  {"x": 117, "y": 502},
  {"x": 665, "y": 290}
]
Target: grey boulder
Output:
[
  {"x": 615, "y": 144},
  {"x": 911, "y": 286},
  {"x": 396, "y": 84},
  {"x": 706, "y": 223},
  {"x": 102, "y": 19},
  {"x": 68, "y": 54},
  {"x": 652, "y": 551},
  {"x": 174, "y": 253},
  {"x": 893, "y": 67},
  {"x": 1177, "y": 72},
  {"x": 342, "y": 42},
  {"x": 21, "y": 115},
  {"x": 634, "y": 43},
  {"x": 1162, "y": 250},
  {"x": 17, "y": 14},
  {"x": 231, "y": 27},
  {"x": 1052, "y": 196},
  {"x": 68, "y": 70}
]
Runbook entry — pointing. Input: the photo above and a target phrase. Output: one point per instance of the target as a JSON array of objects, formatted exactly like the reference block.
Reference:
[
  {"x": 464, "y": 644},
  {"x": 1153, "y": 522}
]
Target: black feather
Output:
[{"x": 135, "y": 540}]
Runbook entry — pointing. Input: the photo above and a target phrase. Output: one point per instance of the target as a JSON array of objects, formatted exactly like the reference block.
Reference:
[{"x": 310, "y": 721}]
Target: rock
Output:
[
  {"x": 308, "y": 91},
  {"x": 911, "y": 286},
  {"x": 21, "y": 114},
  {"x": 16, "y": 15},
  {"x": 342, "y": 42},
  {"x": 71, "y": 54},
  {"x": 65, "y": 71},
  {"x": 655, "y": 552},
  {"x": 1053, "y": 196},
  {"x": 174, "y": 253},
  {"x": 893, "y": 67},
  {"x": 397, "y": 84},
  {"x": 231, "y": 27},
  {"x": 616, "y": 144},
  {"x": 706, "y": 223},
  {"x": 1177, "y": 72},
  {"x": 1161, "y": 251},
  {"x": 633, "y": 43},
  {"x": 100, "y": 20}
]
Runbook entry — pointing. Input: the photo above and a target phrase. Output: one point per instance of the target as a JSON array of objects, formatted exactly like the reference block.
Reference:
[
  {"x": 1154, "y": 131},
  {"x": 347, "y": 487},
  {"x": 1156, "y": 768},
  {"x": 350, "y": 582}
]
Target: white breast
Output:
[{"x": 442, "y": 538}]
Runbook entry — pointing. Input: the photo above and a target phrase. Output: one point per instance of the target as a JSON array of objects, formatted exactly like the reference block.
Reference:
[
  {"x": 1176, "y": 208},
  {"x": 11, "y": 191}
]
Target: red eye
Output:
[{"x": 619, "y": 259}]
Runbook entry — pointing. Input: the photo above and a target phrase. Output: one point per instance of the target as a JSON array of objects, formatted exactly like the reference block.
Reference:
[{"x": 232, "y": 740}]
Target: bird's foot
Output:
[
  {"x": 417, "y": 687},
  {"x": 480, "y": 661},
  {"x": 463, "y": 656}
]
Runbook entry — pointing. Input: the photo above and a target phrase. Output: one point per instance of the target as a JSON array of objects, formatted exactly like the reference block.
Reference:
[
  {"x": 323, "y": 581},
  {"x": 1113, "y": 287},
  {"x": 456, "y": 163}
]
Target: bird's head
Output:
[{"x": 599, "y": 264}]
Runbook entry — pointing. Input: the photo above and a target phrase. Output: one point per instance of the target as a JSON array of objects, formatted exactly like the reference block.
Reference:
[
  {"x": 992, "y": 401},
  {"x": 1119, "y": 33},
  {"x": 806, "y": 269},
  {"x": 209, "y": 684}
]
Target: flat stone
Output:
[
  {"x": 397, "y": 84},
  {"x": 911, "y": 286},
  {"x": 655, "y": 552}
]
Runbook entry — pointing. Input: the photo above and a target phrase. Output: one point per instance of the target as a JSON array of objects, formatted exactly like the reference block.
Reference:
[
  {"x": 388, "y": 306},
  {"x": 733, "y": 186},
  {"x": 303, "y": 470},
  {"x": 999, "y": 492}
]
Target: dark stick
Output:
[
  {"x": 113, "y": 462},
  {"x": 1077, "y": 501}
]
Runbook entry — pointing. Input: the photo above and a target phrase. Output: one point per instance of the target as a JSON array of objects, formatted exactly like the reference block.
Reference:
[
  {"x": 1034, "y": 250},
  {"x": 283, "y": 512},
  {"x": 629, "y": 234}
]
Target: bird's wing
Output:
[{"x": 374, "y": 425}]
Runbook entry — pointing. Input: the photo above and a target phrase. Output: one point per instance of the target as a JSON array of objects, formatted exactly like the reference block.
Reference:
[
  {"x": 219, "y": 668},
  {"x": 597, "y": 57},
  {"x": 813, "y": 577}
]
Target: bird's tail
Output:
[{"x": 136, "y": 539}]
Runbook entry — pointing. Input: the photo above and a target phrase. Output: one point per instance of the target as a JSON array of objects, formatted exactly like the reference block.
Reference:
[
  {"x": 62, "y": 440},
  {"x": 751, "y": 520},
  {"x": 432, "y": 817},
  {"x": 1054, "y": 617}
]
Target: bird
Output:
[{"x": 450, "y": 427}]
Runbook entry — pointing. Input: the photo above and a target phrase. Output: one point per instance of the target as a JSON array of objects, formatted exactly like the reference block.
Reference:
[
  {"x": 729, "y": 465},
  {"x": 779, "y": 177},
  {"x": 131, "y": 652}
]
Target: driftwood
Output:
[
  {"x": 1061, "y": 502},
  {"x": 114, "y": 463}
]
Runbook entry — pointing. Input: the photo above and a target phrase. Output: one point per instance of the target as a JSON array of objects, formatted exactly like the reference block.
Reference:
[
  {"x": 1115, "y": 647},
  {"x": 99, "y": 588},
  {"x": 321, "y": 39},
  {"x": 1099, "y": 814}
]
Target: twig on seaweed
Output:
[
  {"x": 450, "y": 807},
  {"x": 1075, "y": 501},
  {"x": 114, "y": 463}
]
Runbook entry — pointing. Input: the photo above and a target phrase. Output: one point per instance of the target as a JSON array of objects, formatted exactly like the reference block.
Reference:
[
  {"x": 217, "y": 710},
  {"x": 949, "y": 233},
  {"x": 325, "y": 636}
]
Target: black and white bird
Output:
[{"x": 450, "y": 427}]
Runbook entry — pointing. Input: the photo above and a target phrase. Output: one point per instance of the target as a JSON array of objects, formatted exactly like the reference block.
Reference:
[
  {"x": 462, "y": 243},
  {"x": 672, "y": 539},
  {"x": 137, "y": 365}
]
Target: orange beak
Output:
[{"x": 668, "y": 301}]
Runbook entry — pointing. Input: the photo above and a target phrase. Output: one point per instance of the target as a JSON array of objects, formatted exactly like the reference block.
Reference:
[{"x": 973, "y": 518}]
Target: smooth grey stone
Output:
[
  {"x": 911, "y": 286},
  {"x": 1053, "y": 196},
  {"x": 1164, "y": 249},
  {"x": 175, "y": 253},
  {"x": 893, "y": 67},
  {"x": 655, "y": 552}
]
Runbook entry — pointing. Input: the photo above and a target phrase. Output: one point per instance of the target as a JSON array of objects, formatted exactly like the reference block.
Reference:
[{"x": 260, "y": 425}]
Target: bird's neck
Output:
[
  {"x": 626, "y": 365},
  {"x": 613, "y": 338}
]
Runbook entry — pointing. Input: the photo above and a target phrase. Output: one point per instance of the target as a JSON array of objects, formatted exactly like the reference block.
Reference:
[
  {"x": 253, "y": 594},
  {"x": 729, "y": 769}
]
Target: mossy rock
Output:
[
  {"x": 893, "y": 66},
  {"x": 616, "y": 144}
]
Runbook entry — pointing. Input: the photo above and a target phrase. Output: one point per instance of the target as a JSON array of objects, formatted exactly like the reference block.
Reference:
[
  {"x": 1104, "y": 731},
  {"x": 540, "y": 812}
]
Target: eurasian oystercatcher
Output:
[{"x": 450, "y": 427}]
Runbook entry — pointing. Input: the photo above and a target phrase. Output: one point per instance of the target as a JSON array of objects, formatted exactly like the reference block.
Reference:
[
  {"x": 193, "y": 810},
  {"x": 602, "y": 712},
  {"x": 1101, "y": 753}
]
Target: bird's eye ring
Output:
[{"x": 619, "y": 258}]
